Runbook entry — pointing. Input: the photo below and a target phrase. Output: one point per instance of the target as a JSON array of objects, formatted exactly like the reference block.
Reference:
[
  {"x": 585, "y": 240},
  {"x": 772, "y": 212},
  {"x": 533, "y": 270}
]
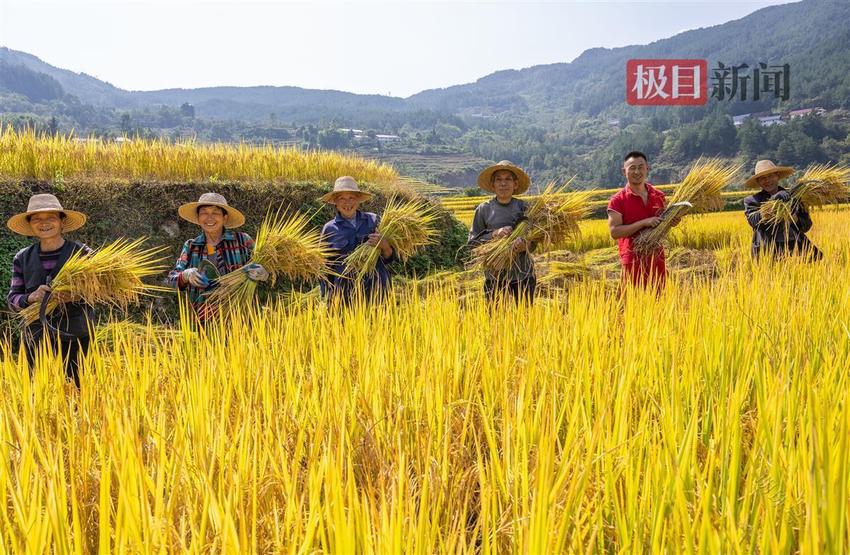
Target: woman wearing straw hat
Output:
[
  {"x": 779, "y": 240},
  {"x": 497, "y": 218},
  {"x": 217, "y": 251},
  {"x": 35, "y": 266},
  {"x": 350, "y": 228}
]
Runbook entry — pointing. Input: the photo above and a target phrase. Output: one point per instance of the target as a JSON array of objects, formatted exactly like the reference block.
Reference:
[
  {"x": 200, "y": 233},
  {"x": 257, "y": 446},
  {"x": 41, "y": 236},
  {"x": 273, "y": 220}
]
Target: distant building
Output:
[
  {"x": 358, "y": 134},
  {"x": 739, "y": 120},
  {"x": 803, "y": 112},
  {"x": 613, "y": 122},
  {"x": 387, "y": 138},
  {"x": 767, "y": 121}
]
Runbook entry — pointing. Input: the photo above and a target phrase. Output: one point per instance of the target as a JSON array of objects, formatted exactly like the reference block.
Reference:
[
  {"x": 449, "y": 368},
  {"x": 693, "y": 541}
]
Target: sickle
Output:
[{"x": 42, "y": 316}]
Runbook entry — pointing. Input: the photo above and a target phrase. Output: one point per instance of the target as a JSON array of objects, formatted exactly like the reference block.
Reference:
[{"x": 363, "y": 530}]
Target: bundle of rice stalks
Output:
[
  {"x": 111, "y": 275},
  {"x": 405, "y": 225},
  {"x": 820, "y": 184},
  {"x": 285, "y": 247},
  {"x": 550, "y": 221},
  {"x": 702, "y": 188}
]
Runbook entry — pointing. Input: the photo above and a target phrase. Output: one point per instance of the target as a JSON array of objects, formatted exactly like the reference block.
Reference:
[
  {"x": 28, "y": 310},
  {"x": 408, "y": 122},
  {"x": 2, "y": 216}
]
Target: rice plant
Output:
[
  {"x": 25, "y": 155},
  {"x": 713, "y": 417}
]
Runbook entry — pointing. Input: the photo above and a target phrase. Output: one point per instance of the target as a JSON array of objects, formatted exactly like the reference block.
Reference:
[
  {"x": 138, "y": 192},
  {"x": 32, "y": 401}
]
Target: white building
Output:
[{"x": 767, "y": 121}]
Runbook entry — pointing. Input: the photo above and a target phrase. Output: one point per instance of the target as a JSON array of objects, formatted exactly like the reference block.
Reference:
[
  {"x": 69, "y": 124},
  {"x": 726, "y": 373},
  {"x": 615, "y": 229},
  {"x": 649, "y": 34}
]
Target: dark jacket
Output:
[
  {"x": 779, "y": 239},
  {"x": 73, "y": 318},
  {"x": 343, "y": 237}
]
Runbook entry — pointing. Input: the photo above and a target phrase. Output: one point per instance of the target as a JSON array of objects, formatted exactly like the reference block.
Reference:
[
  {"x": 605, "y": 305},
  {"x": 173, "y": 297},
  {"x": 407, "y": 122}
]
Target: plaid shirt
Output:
[{"x": 233, "y": 251}]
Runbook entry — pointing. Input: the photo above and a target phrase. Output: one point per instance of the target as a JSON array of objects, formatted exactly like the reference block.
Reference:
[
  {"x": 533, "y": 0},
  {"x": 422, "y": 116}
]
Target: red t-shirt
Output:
[{"x": 632, "y": 208}]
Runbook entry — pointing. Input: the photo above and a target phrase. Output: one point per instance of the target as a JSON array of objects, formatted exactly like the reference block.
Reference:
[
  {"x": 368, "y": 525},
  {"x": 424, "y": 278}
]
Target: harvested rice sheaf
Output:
[
  {"x": 550, "y": 221},
  {"x": 702, "y": 188},
  {"x": 112, "y": 275},
  {"x": 820, "y": 184},
  {"x": 285, "y": 247},
  {"x": 406, "y": 226}
]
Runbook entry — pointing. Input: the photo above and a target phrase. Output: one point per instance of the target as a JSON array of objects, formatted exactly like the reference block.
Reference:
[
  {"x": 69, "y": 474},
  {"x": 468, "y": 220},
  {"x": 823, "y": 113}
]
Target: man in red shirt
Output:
[{"x": 635, "y": 207}]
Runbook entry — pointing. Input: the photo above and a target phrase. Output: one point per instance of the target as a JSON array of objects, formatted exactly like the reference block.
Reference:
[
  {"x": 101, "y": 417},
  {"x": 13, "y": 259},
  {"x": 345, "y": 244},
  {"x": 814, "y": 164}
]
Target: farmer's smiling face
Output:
[
  {"x": 346, "y": 204},
  {"x": 46, "y": 225},
  {"x": 212, "y": 219},
  {"x": 769, "y": 183},
  {"x": 635, "y": 169}
]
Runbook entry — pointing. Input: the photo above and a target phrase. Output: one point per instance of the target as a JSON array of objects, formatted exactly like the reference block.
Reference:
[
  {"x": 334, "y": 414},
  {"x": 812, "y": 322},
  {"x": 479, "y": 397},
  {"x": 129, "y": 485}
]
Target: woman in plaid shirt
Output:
[{"x": 217, "y": 251}]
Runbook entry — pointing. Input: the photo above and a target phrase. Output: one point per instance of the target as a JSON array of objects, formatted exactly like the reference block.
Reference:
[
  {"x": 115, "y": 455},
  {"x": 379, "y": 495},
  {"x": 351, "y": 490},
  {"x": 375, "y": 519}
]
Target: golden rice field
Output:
[
  {"x": 23, "y": 155},
  {"x": 713, "y": 418}
]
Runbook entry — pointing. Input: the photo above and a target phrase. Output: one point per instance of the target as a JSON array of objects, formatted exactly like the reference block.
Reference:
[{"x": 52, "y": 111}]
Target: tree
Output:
[
  {"x": 331, "y": 139},
  {"x": 126, "y": 124},
  {"x": 187, "y": 110},
  {"x": 752, "y": 139}
]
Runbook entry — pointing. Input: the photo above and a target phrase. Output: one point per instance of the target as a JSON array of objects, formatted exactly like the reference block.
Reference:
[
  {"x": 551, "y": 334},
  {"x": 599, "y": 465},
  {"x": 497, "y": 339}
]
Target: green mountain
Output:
[
  {"x": 85, "y": 87},
  {"x": 558, "y": 120},
  {"x": 812, "y": 36}
]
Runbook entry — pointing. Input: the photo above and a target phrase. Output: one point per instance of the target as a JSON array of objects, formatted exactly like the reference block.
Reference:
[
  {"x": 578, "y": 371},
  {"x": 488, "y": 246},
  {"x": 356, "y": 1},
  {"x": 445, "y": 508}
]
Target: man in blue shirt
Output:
[{"x": 349, "y": 229}]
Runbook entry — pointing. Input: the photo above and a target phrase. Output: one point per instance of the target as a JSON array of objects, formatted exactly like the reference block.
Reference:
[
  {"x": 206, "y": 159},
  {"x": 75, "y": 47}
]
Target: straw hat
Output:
[
  {"x": 523, "y": 181},
  {"x": 766, "y": 167},
  {"x": 20, "y": 224},
  {"x": 189, "y": 211},
  {"x": 345, "y": 184}
]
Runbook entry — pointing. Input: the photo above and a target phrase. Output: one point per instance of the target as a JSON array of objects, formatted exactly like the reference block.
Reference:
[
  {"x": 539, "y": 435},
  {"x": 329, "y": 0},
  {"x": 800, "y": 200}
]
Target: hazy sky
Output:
[{"x": 397, "y": 48}]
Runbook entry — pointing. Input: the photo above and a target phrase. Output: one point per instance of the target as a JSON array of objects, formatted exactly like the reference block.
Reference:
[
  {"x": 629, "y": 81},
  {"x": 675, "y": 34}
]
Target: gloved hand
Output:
[
  {"x": 195, "y": 278},
  {"x": 256, "y": 272},
  {"x": 784, "y": 196}
]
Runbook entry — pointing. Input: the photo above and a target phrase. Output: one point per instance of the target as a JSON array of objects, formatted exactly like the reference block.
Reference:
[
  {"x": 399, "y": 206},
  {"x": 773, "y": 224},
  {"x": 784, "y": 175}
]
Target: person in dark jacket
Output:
[
  {"x": 777, "y": 240},
  {"x": 349, "y": 229},
  {"x": 497, "y": 218},
  {"x": 34, "y": 267}
]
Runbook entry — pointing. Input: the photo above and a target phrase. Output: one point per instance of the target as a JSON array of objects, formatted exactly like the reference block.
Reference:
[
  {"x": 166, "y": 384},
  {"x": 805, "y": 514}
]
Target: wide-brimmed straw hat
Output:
[
  {"x": 189, "y": 211},
  {"x": 523, "y": 181},
  {"x": 766, "y": 167},
  {"x": 19, "y": 223},
  {"x": 345, "y": 184}
]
